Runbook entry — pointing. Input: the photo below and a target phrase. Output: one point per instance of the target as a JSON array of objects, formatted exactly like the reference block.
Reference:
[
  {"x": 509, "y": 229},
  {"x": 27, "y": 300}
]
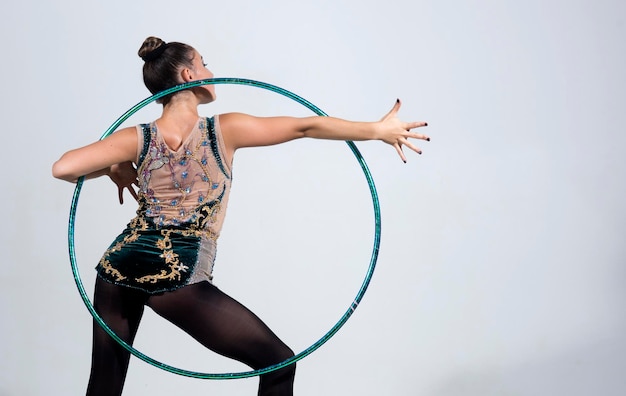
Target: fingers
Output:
[
  {"x": 416, "y": 124},
  {"x": 402, "y": 138},
  {"x": 415, "y": 135},
  {"x": 120, "y": 193},
  {"x": 394, "y": 110},
  {"x": 412, "y": 147},
  {"x": 398, "y": 148},
  {"x": 396, "y": 106}
]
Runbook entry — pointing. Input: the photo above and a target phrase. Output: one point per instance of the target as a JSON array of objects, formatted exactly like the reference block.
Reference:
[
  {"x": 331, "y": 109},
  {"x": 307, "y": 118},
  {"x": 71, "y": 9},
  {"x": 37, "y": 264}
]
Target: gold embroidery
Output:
[
  {"x": 139, "y": 223},
  {"x": 164, "y": 243},
  {"x": 171, "y": 258},
  {"x": 118, "y": 246},
  {"x": 134, "y": 235},
  {"x": 209, "y": 214},
  {"x": 108, "y": 268}
]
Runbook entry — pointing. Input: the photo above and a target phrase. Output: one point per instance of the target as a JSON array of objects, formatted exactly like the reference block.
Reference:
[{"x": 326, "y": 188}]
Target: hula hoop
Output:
[{"x": 245, "y": 374}]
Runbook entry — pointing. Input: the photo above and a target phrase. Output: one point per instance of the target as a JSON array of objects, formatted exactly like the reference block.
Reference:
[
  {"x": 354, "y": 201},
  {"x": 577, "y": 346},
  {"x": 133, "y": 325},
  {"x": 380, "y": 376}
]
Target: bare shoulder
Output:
[
  {"x": 129, "y": 133},
  {"x": 234, "y": 121}
]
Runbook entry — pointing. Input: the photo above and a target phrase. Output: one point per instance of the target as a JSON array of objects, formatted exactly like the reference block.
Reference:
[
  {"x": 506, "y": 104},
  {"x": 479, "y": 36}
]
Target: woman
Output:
[{"x": 164, "y": 258}]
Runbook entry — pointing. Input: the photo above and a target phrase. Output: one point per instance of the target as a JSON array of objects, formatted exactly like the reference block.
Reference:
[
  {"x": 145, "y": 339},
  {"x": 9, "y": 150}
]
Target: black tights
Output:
[{"x": 211, "y": 317}]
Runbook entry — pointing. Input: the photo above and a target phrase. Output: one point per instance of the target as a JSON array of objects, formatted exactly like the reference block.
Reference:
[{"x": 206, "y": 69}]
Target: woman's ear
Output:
[{"x": 186, "y": 75}]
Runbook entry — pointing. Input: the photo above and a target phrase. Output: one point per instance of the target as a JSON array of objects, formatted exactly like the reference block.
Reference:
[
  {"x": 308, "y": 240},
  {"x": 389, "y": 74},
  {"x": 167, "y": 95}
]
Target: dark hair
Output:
[{"x": 163, "y": 62}]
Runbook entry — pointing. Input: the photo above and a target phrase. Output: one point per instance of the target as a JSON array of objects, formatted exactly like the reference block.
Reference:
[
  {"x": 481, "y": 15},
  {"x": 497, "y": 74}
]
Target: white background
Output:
[{"x": 501, "y": 269}]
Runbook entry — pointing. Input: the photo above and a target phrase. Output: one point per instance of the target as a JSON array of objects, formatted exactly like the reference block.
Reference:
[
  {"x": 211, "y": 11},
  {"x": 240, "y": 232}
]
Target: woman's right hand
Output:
[{"x": 397, "y": 133}]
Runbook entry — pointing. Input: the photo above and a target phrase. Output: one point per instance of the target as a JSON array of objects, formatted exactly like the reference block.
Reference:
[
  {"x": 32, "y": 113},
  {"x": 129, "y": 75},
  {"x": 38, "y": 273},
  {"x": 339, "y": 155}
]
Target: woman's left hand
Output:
[{"x": 124, "y": 175}]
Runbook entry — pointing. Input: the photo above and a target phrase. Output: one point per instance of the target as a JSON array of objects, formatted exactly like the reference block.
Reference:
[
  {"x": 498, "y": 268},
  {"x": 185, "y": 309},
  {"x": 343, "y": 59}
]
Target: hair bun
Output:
[{"x": 151, "y": 48}]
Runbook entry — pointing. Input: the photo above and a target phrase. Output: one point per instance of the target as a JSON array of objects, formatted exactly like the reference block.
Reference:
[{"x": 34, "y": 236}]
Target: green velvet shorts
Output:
[{"x": 157, "y": 260}]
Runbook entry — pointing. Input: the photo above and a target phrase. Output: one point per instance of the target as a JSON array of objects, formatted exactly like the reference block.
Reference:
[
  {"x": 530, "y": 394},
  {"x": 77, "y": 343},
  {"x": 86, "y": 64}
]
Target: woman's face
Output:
[{"x": 200, "y": 72}]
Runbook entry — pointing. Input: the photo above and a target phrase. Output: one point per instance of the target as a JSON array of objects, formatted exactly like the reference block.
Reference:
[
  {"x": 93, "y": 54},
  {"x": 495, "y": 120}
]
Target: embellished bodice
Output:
[{"x": 185, "y": 189}]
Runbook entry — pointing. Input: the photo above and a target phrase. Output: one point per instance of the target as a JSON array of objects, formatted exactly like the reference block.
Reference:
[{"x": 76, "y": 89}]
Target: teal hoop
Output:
[{"x": 246, "y": 374}]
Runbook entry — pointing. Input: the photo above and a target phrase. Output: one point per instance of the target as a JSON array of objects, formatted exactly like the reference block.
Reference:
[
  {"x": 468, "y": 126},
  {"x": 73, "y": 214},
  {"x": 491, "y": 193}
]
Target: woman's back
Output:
[{"x": 187, "y": 186}]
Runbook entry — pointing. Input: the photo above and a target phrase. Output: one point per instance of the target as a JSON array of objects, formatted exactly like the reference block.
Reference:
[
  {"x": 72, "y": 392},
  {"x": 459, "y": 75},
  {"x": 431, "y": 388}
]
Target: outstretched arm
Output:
[{"x": 242, "y": 130}]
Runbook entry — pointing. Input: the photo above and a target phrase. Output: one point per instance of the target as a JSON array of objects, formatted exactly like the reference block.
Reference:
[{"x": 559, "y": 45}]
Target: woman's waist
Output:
[{"x": 157, "y": 226}]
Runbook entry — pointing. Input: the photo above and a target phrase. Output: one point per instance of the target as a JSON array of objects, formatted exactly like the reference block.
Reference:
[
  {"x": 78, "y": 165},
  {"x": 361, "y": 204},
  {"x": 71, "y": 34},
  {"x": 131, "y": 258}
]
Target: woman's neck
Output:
[{"x": 181, "y": 108}]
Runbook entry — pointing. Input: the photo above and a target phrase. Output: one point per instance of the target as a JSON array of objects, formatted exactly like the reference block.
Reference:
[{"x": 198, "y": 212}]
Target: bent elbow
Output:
[{"x": 61, "y": 171}]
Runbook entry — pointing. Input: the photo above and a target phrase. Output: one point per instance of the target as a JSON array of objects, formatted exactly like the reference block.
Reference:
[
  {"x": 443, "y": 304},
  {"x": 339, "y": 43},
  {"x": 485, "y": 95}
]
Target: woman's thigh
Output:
[{"x": 221, "y": 324}]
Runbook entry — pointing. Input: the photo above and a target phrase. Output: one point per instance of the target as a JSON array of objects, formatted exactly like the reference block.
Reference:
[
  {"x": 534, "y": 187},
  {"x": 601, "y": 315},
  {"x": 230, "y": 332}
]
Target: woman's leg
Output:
[
  {"x": 225, "y": 326},
  {"x": 121, "y": 309}
]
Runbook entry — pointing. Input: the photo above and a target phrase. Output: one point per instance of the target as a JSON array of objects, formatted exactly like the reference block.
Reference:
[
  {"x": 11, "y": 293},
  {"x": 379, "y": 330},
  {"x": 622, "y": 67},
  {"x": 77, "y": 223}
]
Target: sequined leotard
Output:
[{"x": 183, "y": 193}]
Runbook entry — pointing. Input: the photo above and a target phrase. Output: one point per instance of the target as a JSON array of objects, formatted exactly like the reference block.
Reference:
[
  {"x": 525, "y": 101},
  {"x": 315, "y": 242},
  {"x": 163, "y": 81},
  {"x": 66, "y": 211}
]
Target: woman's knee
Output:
[
  {"x": 288, "y": 353},
  {"x": 284, "y": 354}
]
